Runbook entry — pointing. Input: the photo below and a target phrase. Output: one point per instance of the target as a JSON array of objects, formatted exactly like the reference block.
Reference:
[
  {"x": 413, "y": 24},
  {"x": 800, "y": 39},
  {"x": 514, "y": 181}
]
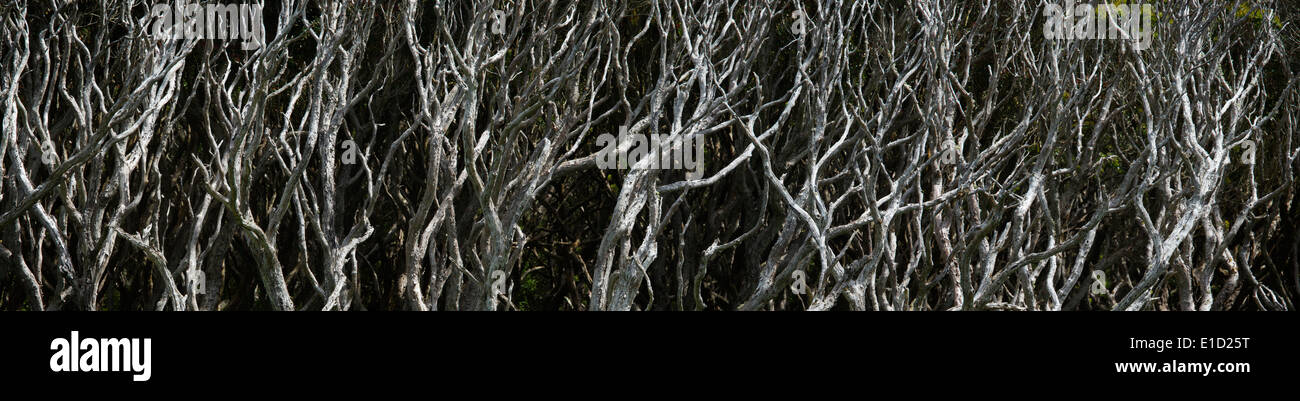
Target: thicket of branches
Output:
[{"x": 894, "y": 155}]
